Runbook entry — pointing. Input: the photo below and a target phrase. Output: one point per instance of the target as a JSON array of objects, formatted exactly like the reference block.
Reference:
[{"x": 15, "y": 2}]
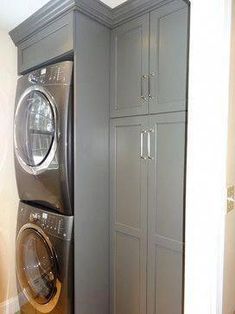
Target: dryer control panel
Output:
[
  {"x": 52, "y": 224},
  {"x": 59, "y": 73}
]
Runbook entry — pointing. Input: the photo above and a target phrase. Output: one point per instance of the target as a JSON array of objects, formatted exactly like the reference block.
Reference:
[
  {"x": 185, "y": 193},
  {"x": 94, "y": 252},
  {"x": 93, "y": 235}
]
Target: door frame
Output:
[{"x": 208, "y": 103}]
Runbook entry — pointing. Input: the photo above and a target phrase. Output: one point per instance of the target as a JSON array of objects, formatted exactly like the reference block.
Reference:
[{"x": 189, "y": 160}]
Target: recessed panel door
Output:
[
  {"x": 168, "y": 58},
  {"x": 128, "y": 215},
  {"x": 129, "y": 71},
  {"x": 166, "y": 213}
]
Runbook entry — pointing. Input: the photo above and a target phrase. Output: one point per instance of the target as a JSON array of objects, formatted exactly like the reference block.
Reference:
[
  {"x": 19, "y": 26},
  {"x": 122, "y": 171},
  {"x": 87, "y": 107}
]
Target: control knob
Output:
[{"x": 32, "y": 78}]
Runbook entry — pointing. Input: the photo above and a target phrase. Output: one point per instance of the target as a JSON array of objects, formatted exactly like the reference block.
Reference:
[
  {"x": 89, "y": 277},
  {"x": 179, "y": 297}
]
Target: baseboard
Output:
[{"x": 10, "y": 306}]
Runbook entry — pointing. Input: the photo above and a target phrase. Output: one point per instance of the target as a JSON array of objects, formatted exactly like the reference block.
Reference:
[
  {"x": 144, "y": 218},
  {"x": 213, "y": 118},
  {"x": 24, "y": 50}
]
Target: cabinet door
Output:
[
  {"x": 166, "y": 213},
  {"x": 129, "y": 70},
  {"x": 128, "y": 215},
  {"x": 168, "y": 58}
]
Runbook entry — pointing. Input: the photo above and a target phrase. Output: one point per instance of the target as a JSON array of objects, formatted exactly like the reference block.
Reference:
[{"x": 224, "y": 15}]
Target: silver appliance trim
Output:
[
  {"x": 35, "y": 170},
  {"x": 48, "y": 307}
]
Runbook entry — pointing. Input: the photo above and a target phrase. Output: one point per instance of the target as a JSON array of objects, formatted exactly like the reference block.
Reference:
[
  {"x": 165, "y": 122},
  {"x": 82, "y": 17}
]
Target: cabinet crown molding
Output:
[
  {"x": 134, "y": 8},
  {"x": 57, "y": 8},
  {"x": 93, "y": 8}
]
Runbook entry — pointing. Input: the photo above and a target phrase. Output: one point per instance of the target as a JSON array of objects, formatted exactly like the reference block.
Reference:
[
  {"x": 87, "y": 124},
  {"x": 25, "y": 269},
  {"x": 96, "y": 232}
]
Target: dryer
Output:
[
  {"x": 44, "y": 261},
  {"x": 43, "y": 137}
]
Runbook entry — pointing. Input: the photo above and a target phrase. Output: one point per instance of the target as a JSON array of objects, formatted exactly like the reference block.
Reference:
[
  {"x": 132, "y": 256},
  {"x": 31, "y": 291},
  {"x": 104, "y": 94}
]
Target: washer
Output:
[
  {"x": 44, "y": 261},
  {"x": 43, "y": 137}
]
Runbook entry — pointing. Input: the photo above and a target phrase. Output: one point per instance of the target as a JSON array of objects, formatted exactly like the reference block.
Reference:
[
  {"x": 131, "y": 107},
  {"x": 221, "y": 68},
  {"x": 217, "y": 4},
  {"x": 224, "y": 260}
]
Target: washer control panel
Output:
[
  {"x": 52, "y": 224},
  {"x": 51, "y": 75}
]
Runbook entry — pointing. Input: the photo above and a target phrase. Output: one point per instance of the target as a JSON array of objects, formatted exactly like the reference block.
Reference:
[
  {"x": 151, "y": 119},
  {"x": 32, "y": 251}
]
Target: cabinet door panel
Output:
[
  {"x": 128, "y": 216},
  {"x": 169, "y": 181},
  {"x": 127, "y": 272},
  {"x": 166, "y": 213},
  {"x": 168, "y": 58},
  {"x": 129, "y": 58},
  {"x": 168, "y": 281}
]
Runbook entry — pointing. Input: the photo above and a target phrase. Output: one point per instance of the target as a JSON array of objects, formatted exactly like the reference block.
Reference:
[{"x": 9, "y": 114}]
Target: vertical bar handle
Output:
[
  {"x": 142, "y": 133},
  {"x": 151, "y": 75},
  {"x": 149, "y": 144},
  {"x": 143, "y": 77}
]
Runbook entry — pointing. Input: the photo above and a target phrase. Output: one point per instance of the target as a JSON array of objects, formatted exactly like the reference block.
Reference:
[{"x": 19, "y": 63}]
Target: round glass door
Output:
[
  {"x": 34, "y": 128},
  {"x": 36, "y": 267}
]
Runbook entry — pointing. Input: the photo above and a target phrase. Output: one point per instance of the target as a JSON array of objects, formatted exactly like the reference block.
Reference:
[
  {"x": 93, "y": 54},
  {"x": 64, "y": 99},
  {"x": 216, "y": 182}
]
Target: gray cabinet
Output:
[
  {"x": 129, "y": 61},
  {"x": 166, "y": 213},
  {"x": 147, "y": 207},
  {"x": 49, "y": 43},
  {"x": 168, "y": 58},
  {"x": 128, "y": 216},
  {"x": 149, "y": 62},
  {"x": 148, "y": 76}
]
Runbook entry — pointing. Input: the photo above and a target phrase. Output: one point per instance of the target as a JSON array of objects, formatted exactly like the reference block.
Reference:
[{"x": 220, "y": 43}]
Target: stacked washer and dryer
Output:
[{"x": 43, "y": 138}]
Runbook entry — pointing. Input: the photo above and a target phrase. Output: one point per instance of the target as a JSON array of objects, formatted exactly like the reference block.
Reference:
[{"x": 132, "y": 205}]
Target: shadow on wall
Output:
[{"x": 3, "y": 271}]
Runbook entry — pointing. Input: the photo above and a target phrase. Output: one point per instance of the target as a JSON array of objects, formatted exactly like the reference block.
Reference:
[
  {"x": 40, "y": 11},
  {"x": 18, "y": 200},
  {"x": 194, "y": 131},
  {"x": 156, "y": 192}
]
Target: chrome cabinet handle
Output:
[
  {"x": 142, "y": 133},
  {"x": 149, "y": 144},
  {"x": 143, "y": 77},
  {"x": 151, "y": 75}
]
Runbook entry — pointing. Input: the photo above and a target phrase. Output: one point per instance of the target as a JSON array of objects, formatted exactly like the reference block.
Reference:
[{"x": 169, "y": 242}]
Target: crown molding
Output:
[
  {"x": 40, "y": 18},
  {"x": 56, "y": 8},
  {"x": 93, "y": 8},
  {"x": 133, "y": 8},
  {"x": 97, "y": 10}
]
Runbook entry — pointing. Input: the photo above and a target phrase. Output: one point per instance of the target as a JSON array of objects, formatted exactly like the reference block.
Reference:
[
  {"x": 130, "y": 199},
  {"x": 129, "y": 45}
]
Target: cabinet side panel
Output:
[{"x": 91, "y": 166}]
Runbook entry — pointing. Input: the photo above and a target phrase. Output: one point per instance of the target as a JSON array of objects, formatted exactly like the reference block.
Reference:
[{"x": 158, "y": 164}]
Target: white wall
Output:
[
  {"x": 8, "y": 192},
  {"x": 207, "y": 155},
  {"x": 229, "y": 251}
]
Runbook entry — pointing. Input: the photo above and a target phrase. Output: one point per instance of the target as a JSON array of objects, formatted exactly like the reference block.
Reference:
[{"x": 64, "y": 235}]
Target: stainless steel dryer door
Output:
[
  {"x": 35, "y": 130},
  {"x": 37, "y": 268}
]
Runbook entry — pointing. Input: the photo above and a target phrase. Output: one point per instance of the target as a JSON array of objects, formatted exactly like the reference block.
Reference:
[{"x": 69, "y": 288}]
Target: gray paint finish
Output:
[
  {"x": 57, "y": 8},
  {"x": 166, "y": 183},
  {"x": 149, "y": 62},
  {"x": 131, "y": 234},
  {"x": 168, "y": 288},
  {"x": 128, "y": 217},
  {"x": 168, "y": 57},
  {"x": 40, "y": 38},
  {"x": 166, "y": 175},
  {"x": 91, "y": 145},
  {"x": 93, "y": 8},
  {"x": 134, "y": 8},
  {"x": 54, "y": 41},
  {"x": 147, "y": 214},
  {"x": 129, "y": 63}
]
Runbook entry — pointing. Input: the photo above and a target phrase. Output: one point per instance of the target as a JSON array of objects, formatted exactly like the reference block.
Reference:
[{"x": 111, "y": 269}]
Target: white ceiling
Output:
[
  {"x": 13, "y": 12},
  {"x": 112, "y": 3}
]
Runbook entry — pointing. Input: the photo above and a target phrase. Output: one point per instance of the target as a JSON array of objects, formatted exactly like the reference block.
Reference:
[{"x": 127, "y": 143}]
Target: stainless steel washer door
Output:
[
  {"x": 37, "y": 268},
  {"x": 35, "y": 130}
]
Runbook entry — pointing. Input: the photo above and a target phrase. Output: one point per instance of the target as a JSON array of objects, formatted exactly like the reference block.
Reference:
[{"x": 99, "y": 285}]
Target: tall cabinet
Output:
[
  {"x": 147, "y": 163},
  {"x": 130, "y": 69}
]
